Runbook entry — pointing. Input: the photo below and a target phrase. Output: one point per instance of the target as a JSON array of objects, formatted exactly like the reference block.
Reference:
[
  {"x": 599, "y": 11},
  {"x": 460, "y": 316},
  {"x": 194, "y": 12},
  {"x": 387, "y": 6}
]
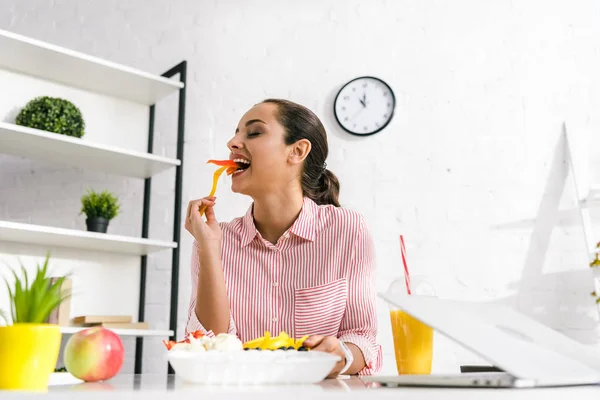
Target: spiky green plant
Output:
[
  {"x": 34, "y": 303},
  {"x": 100, "y": 204}
]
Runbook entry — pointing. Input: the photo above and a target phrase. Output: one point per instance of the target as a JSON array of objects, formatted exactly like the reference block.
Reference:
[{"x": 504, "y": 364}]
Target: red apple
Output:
[{"x": 94, "y": 354}]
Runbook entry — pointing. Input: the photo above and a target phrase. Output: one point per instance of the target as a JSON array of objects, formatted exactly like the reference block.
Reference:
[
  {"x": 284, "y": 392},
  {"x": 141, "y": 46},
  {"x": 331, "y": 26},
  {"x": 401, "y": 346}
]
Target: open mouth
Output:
[{"x": 242, "y": 164}]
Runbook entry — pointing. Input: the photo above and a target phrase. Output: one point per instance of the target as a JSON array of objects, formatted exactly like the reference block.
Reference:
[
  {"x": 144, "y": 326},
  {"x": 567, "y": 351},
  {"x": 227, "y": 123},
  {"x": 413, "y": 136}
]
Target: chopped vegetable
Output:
[
  {"x": 283, "y": 341},
  {"x": 223, "y": 163},
  {"x": 170, "y": 343},
  {"x": 232, "y": 165},
  {"x": 226, "y": 165}
]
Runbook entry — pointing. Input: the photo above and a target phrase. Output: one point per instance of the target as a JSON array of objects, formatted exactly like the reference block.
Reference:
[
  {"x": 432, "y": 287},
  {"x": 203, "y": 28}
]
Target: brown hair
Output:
[{"x": 318, "y": 183}]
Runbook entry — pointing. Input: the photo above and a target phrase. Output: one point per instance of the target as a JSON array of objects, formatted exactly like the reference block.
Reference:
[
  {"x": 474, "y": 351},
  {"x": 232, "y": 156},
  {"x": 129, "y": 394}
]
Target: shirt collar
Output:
[{"x": 303, "y": 227}]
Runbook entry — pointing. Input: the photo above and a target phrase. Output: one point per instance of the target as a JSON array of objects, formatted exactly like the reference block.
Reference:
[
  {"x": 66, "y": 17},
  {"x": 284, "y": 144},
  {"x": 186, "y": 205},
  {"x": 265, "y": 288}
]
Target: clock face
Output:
[{"x": 364, "y": 106}]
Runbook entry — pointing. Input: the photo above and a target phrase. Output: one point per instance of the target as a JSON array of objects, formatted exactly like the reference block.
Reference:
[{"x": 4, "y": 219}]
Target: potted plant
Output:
[
  {"x": 99, "y": 208},
  {"x": 52, "y": 114},
  {"x": 29, "y": 346}
]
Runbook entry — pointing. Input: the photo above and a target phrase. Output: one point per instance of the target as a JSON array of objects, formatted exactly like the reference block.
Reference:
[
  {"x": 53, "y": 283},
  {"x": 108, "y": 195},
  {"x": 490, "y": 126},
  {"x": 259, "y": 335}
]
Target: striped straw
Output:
[{"x": 406, "y": 274}]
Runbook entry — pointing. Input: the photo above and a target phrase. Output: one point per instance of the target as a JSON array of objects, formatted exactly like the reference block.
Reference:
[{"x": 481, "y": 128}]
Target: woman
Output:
[{"x": 296, "y": 262}]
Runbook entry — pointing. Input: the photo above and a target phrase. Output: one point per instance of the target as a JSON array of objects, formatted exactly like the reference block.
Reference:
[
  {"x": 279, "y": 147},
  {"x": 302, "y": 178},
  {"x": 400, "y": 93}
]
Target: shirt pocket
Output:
[{"x": 318, "y": 310}]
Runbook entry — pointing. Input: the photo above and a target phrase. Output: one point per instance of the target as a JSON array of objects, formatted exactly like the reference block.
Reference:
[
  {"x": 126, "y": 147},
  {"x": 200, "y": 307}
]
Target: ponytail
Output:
[{"x": 318, "y": 183}]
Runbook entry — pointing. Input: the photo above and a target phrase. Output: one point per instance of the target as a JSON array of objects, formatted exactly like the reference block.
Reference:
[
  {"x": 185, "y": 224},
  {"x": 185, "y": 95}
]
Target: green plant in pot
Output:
[
  {"x": 100, "y": 208},
  {"x": 29, "y": 346},
  {"x": 52, "y": 114}
]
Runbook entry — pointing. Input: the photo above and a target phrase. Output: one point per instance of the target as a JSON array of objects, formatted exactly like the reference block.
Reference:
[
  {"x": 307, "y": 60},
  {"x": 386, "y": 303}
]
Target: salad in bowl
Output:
[{"x": 224, "y": 359}]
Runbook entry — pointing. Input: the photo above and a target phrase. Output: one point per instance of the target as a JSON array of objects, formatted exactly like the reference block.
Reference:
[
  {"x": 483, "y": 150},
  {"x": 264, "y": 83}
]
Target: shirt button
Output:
[
  {"x": 274, "y": 319},
  {"x": 287, "y": 235},
  {"x": 275, "y": 284}
]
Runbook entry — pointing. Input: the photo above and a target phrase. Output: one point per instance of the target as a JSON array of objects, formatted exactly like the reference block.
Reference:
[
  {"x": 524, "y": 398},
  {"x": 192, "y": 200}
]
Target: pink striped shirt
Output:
[{"x": 319, "y": 279}]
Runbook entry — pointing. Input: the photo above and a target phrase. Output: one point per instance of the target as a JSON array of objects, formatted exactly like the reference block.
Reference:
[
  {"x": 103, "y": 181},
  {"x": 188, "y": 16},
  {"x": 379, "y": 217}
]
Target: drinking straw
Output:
[{"x": 406, "y": 274}]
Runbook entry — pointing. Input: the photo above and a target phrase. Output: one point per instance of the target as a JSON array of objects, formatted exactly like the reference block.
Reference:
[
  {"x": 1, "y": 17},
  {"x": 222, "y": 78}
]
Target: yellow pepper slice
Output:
[
  {"x": 214, "y": 186},
  {"x": 268, "y": 342},
  {"x": 283, "y": 340},
  {"x": 259, "y": 342},
  {"x": 300, "y": 342},
  {"x": 226, "y": 165}
]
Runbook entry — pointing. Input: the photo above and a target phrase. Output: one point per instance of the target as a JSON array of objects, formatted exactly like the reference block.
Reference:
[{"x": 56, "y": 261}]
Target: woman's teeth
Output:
[{"x": 242, "y": 165}]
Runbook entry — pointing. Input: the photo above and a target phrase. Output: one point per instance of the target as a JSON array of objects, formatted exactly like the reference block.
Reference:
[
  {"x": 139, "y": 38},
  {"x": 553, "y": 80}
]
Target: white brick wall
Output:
[{"x": 482, "y": 90}]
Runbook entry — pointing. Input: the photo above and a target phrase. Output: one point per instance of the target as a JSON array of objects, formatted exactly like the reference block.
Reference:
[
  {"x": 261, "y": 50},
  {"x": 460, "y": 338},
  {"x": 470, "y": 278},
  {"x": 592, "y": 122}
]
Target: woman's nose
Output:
[{"x": 234, "y": 143}]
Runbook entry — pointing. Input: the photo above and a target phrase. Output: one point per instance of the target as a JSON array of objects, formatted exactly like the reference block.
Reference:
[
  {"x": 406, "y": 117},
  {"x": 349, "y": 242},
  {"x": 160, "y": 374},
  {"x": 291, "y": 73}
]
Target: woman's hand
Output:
[
  {"x": 207, "y": 233},
  {"x": 327, "y": 344}
]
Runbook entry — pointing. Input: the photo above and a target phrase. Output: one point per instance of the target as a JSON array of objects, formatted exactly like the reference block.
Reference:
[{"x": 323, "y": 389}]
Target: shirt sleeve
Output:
[
  {"x": 359, "y": 324},
  {"x": 193, "y": 324}
]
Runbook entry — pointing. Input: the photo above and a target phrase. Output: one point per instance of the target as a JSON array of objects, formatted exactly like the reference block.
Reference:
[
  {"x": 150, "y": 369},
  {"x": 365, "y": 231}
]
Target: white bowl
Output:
[{"x": 252, "y": 367}]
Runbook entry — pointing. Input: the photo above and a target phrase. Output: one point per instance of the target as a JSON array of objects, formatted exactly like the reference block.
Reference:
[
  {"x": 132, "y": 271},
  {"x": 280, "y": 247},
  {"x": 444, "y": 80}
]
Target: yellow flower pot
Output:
[{"x": 28, "y": 355}]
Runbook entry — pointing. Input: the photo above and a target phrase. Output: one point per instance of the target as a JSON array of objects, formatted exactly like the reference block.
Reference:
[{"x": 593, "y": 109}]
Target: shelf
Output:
[
  {"x": 82, "y": 240},
  {"x": 49, "y": 62},
  {"x": 121, "y": 332},
  {"x": 52, "y": 147}
]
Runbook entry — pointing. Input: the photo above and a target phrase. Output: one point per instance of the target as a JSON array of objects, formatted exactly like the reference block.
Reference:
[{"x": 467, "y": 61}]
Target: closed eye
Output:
[{"x": 253, "y": 134}]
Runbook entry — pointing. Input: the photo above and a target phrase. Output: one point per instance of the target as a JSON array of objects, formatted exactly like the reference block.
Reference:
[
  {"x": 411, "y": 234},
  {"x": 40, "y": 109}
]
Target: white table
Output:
[{"x": 165, "y": 387}]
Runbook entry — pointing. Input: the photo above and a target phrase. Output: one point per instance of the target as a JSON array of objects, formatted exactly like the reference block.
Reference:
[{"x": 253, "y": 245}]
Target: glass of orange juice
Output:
[{"x": 413, "y": 340}]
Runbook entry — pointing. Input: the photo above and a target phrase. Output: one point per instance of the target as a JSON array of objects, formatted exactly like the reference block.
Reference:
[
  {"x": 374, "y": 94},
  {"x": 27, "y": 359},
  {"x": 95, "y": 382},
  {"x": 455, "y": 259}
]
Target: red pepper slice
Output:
[
  {"x": 232, "y": 165},
  {"x": 197, "y": 335},
  {"x": 223, "y": 163},
  {"x": 170, "y": 343}
]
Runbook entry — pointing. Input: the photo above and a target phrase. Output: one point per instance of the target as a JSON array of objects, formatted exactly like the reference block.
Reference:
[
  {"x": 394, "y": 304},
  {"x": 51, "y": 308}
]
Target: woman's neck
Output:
[{"x": 276, "y": 213}]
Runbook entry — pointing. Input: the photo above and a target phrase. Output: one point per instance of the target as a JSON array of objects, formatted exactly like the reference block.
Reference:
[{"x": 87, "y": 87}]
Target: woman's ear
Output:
[{"x": 300, "y": 151}]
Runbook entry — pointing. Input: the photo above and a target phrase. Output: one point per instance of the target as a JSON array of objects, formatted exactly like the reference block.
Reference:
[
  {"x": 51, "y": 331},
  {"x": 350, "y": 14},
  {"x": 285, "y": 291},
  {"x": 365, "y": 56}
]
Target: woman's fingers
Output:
[
  {"x": 203, "y": 205},
  {"x": 313, "y": 341},
  {"x": 210, "y": 215},
  {"x": 195, "y": 207},
  {"x": 189, "y": 207}
]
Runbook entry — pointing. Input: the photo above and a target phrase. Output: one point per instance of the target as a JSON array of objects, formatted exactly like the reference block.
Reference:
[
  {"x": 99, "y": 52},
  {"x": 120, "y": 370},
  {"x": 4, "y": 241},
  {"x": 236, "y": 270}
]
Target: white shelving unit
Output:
[
  {"x": 50, "y": 63},
  {"x": 77, "y": 152},
  {"x": 82, "y": 240},
  {"x": 53, "y": 63},
  {"x": 122, "y": 332}
]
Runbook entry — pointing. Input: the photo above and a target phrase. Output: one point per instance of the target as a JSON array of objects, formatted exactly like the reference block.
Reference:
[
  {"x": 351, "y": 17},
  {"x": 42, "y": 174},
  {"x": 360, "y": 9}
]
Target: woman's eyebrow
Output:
[{"x": 252, "y": 121}]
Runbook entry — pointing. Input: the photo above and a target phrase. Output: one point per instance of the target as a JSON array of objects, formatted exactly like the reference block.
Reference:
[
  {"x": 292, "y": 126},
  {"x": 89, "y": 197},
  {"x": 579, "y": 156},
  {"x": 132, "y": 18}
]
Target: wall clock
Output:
[{"x": 364, "y": 106}]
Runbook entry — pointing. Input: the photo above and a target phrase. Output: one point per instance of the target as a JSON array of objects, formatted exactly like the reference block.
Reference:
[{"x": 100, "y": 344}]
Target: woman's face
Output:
[{"x": 259, "y": 147}]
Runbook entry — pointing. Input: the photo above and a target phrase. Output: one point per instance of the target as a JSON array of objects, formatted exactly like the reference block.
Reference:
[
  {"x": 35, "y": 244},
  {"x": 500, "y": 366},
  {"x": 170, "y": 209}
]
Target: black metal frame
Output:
[{"x": 180, "y": 69}]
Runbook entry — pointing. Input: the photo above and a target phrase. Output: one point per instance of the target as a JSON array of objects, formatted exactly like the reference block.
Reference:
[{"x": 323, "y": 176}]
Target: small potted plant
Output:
[
  {"x": 29, "y": 346},
  {"x": 52, "y": 114},
  {"x": 99, "y": 208}
]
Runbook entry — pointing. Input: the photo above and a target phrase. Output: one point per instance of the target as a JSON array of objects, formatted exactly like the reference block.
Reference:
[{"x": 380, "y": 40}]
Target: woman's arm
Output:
[
  {"x": 330, "y": 344},
  {"x": 209, "y": 305},
  {"x": 359, "y": 324},
  {"x": 212, "y": 304},
  {"x": 358, "y": 329}
]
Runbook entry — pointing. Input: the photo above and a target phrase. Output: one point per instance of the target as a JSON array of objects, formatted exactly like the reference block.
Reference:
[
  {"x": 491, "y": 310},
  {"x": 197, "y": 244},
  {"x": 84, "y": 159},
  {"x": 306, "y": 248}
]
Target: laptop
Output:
[{"x": 528, "y": 353}]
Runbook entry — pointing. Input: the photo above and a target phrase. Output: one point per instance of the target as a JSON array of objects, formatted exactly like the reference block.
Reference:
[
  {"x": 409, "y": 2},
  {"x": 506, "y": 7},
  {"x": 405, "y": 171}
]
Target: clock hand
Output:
[
  {"x": 362, "y": 102},
  {"x": 355, "y": 114}
]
